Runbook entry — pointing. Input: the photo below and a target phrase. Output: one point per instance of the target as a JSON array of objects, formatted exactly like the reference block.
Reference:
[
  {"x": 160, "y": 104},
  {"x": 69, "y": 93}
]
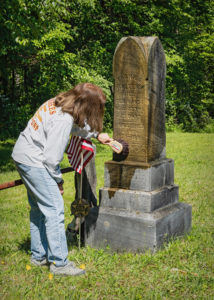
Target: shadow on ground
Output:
[{"x": 24, "y": 245}]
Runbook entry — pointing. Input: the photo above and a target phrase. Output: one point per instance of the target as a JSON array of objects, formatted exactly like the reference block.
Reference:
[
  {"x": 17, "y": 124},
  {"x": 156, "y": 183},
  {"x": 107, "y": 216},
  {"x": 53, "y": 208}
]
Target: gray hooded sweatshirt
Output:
[{"x": 44, "y": 140}]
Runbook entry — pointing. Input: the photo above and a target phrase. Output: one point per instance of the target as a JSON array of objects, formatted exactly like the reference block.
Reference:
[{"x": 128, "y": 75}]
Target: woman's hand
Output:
[
  {"x": 104, "y": 138},
  {"x": 60, "y": 186}
]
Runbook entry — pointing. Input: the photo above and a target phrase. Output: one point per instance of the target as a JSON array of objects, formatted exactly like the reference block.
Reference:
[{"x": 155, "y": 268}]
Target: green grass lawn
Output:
[{"x": 183, "y": 269}]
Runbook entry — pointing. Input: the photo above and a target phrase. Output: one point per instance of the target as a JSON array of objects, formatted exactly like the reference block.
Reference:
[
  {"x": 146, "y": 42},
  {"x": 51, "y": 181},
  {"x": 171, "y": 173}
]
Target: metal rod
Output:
[
  {"x": 80, "y": 194},
  {"x": 79, "y": 241},
  {"x": 7, "y": 185},
  {"x": 81, "y": 175}
]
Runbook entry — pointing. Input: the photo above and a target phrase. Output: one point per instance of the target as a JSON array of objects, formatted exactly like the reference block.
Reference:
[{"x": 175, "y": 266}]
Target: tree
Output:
[{"x": 49, "y": 46}]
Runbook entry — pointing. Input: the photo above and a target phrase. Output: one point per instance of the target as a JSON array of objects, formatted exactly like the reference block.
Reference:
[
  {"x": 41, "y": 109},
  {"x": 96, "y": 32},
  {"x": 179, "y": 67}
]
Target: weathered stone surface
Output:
[
  {"x": 139, "y": 176},
  {"x": 139, "y": 206},
  {"x": 138, "y": 201},
  {"x": 90, "y": 225},
  {"x": 133, "y": 231},
  {"x": 139, "y": 106}
]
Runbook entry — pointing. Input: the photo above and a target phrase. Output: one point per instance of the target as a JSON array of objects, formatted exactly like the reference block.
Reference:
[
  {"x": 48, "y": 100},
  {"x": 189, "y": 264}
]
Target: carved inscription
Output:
[{"x": 139, "y": 73}]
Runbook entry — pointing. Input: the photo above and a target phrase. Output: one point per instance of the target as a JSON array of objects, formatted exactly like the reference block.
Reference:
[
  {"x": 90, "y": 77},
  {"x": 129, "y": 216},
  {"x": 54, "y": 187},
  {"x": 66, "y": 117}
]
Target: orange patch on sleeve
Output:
[
  {"x": 34, "y": 124},
  {"x": 51, "y": 107}
]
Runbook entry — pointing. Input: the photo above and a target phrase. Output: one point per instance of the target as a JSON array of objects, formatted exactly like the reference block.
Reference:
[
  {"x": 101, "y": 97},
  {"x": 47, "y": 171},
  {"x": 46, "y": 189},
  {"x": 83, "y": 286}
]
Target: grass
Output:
[{"x": 183, "y": 269}]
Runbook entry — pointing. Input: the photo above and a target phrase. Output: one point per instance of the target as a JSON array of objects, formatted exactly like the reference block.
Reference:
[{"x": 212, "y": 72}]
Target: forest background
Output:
[{"x": 49, "y": 46}]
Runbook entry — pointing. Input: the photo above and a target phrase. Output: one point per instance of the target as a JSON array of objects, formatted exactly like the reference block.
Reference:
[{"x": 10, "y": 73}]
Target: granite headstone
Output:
[{"x": 139, "y": 203}]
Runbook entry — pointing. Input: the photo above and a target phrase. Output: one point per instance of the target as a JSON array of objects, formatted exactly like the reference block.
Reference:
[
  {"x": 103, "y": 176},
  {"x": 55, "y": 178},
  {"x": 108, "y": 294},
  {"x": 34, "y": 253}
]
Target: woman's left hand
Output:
[{"x": 60, "y": 186}]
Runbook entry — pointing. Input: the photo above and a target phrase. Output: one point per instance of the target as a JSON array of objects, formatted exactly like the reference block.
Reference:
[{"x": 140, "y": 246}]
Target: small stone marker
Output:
[{"x": 139, "y": 204}]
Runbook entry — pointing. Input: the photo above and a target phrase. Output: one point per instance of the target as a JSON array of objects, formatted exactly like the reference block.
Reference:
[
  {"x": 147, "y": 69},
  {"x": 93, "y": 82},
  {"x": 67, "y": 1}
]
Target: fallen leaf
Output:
[
  {"x": 178, "y": 270},
  {"x": 50, "y": 276}
]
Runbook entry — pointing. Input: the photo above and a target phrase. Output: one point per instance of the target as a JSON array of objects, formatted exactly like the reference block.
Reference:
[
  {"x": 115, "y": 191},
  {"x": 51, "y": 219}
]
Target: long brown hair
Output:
[{"x": 85, "y": 101}]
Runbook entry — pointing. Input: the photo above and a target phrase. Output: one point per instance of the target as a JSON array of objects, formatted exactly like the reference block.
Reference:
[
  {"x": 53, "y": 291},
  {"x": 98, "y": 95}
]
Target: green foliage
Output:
[
  {"x": 49, "y": 46},
  {"x": 183, "y": 269}
]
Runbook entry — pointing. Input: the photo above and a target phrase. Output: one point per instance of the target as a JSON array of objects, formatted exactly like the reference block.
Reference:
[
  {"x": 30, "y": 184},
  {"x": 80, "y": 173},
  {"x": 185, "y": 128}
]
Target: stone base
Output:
[
  {"x": 124, "y": 230},
  {"x": 139, "y": 208},
  {"x": 139, "y": 176},
  {"x": 138, "y": 200}
]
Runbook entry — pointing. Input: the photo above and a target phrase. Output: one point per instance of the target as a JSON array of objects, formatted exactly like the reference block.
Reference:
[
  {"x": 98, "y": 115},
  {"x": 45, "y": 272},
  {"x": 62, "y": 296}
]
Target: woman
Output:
[{"x": 37, "y": 154}]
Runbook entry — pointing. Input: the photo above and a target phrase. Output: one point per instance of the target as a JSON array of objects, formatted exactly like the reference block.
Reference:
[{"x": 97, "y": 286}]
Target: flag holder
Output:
[{"x": 80, "y": 207}]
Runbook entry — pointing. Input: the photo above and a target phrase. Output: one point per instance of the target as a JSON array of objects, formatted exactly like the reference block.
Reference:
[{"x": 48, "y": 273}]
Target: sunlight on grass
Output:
[{"x": 182, "y": 269}]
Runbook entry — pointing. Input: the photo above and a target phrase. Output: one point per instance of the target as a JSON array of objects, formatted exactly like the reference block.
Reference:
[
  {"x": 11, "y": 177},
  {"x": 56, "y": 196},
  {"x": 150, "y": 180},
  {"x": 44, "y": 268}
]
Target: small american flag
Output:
[{"x": 75, "y": 147}]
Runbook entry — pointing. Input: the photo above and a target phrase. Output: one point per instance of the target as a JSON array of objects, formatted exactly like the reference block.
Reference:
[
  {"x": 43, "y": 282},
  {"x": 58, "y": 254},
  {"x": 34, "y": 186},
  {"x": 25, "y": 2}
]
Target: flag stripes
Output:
[{"x": 75, "y": 147}]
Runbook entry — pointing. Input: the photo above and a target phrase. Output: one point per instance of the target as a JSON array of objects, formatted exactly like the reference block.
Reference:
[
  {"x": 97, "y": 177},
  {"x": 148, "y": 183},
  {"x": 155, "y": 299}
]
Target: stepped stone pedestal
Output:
[
  {"x": 139, "y": 203},
  {"x": 137, "y": 219}
]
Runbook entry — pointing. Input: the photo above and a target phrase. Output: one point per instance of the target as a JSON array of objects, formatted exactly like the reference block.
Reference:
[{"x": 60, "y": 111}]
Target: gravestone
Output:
[{"x": 139, "y": 203}]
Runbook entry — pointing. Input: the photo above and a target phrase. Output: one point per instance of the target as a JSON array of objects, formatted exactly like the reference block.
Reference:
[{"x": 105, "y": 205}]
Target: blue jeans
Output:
[{"x": 48, "y": 239}]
